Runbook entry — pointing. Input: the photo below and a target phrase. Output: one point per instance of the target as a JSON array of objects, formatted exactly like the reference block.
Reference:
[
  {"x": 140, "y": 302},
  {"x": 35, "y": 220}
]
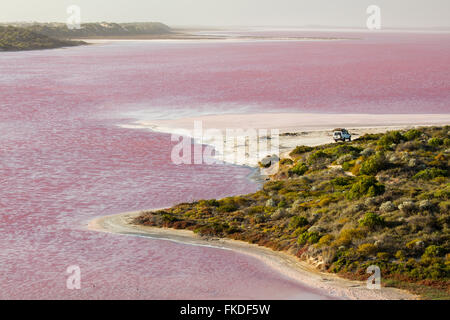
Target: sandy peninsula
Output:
[
  {"x": 309, "y": 129},
  {"x": 295, "y": 129},
  {"x": 282, "y": 262}
]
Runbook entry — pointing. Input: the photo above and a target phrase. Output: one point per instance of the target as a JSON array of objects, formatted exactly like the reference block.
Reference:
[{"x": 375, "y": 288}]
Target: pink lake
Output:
[{"x": 65, "y": 160}]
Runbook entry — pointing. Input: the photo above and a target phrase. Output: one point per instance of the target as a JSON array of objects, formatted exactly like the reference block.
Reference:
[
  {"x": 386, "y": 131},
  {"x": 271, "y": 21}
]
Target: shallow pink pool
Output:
[{"x": 64, "y": 159}]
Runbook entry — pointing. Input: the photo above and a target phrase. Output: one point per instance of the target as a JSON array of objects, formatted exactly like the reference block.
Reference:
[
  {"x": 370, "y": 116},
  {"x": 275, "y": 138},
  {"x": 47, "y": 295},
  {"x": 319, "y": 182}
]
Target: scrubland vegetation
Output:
[
  {"x": 15, "y": 39},
  {"x": 380, "y": 200},
  {"x": 35, "y": 36}
]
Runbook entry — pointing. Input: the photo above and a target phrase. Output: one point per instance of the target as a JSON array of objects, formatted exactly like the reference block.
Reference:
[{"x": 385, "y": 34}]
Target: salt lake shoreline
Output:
[
  {"x": 309, "y": 129},
  {"x": 285, "y": 263}
]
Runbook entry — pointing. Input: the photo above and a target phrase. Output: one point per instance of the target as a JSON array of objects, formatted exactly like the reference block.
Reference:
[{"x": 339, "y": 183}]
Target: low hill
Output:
[
  {"x": 379, "y": 200},
  {"x": 15, "y": 39},
  {"x": 103, "y": 29}
]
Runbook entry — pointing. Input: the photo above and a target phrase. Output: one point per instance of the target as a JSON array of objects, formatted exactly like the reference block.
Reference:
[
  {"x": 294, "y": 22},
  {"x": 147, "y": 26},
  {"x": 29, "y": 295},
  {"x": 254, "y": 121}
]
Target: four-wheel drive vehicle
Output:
[{"x": 341, "y": 135}]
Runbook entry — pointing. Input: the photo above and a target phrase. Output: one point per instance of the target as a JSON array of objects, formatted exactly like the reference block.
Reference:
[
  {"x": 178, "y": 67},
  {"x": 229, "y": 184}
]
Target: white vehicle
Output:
[{"x": 341, "y": 135}]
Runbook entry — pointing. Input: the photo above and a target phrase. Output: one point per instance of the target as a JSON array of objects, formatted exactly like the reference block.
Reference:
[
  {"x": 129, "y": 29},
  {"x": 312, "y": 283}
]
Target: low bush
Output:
[
  {"x": 365, "y": 186},
  {"x": 347, "y": 166},
  {"x": 392, "y": 137},
  {"x": 169, "y": 218},
  {"x": 286, "y": 161},
  {"x": 300, "y": 150},
  {"x": 412, "y": 134},
  {"x": 342, "y": 181},
  {"x": 315, "y": 156},
  {"x": 367, "y": 249},
  {"x": 207, "y": 203},
  {"x": 433, "y": 251},
  {"x": 447, "y": 142},
  {"x": 372, "y": 220},
  {"x": 373, "y": 164},
  {"x": 347, "y": 236},
  {"x": 310, "y": 237},
  {"x": 368, "y": 137},
  {"x": 297, "y": 222},
  {"x": 227, "y": 207},
  {"x": 325, "y": 240},
  {"x": 430, "y": 173},
  {"x": 299, "y": 169},
  {"x": 435, "y": 142}
]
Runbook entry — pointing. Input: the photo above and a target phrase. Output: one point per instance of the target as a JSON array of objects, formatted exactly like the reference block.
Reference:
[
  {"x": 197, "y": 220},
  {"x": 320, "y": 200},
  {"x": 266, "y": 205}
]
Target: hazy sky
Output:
[{"x": 395, "y": 13}]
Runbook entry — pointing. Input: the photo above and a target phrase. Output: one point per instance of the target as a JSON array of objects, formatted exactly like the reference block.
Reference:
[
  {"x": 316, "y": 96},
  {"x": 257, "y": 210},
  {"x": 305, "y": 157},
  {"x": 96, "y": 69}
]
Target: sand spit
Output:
[
  {"x": 288, "y": 265},
  {"x": 294, "y": 129}
]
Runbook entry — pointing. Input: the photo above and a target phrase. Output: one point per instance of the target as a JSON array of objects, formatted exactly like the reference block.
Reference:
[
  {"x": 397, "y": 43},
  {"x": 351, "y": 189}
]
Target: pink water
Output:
[{"x": 64, "y": 159}]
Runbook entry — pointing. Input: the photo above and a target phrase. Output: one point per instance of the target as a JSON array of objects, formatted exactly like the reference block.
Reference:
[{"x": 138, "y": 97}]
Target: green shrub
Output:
[
  {"x": 383, "y": 256},
  {"x": 372, "y": 220},
  {"x": 325, "y": 201},
  {"x": 430, "y": 173},
  {"x": 400, "y": 255},
  {"x": 208, "y": 203},
  {"x": 373, "y": 164},
  {"x": 169, "y": 218},
  {"x": 299, "y": 231},
  {"x": 342, "y": 181},
  {"x": 255, "y": 209},
  {"x": 325, "y": 240},
  {"x": 435, "y": 142},
  {"x": 443, "y": 194},
  {"x": 444, "y": 206},
  {"x": 310, "y": 237},
  {"x": 390, "y": 138},
  {"x": 368, "y": 137},
  {"x": 297, "y": 222},
  {"x": 346, "y": 166},
  {"x": 367, "y": 249},
  {"x": 447, "y": 142},
  {"x": 285, "y": 161},
  {"x": 433, "y": 251},
  {"x": 299, "y": 169},
  {"x": 273, "y": 186},
  {"x": 227, "y": 207},
  {"x": 365, "y": 186},
  {"x": 412, "y": 134},
  {"x": 300, "y": 149},
  {"x": 343, "y": 149},
  {"x": 346, "y": 236},
  {"x": 282, "y": 203},
  {"x": 316, "y": 156}
]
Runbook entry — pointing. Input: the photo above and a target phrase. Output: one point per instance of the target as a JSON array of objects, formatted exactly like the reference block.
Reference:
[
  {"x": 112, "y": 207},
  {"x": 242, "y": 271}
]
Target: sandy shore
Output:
[
  {"x": 294, "y": 129},
  {"x": 297, "y": 122},
  {"x": 286, "y": 264}
]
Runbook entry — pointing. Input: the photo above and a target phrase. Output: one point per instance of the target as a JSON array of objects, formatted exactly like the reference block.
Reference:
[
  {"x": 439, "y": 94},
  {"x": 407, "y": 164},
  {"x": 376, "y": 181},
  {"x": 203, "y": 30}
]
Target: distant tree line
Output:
[
  {"x": 98, "y": 29},
  {"x": 15, "y": 39}
]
